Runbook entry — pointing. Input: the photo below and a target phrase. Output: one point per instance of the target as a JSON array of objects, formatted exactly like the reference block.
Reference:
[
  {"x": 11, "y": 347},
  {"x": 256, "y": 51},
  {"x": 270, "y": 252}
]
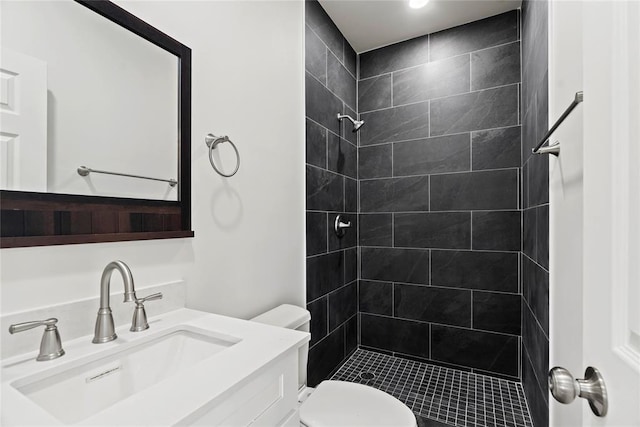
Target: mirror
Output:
[{"x": 94, "y": 126}]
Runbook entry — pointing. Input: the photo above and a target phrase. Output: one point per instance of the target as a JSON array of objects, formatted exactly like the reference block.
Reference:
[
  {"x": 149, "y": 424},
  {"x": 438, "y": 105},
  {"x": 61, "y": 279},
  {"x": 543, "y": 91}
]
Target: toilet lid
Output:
[{"x": 345, "y": 404}]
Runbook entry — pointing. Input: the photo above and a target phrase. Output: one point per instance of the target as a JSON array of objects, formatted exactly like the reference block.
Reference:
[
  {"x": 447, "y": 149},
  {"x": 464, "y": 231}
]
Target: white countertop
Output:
[{"x": 170, "y": 400}]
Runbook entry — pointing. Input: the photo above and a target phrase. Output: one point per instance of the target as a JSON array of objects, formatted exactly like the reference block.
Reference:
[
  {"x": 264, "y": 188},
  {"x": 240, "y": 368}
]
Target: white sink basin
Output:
[{"x": 98, "y": 382}]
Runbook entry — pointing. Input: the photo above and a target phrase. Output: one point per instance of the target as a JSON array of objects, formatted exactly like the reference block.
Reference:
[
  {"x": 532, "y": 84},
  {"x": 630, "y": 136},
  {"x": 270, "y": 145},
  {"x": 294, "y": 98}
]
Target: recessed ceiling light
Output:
[{"x": 417, "y": 4}]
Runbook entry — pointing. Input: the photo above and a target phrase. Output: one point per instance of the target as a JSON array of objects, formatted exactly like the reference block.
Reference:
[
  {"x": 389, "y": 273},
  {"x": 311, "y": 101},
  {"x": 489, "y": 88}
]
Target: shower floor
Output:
[{"x": 440, "y": 396}]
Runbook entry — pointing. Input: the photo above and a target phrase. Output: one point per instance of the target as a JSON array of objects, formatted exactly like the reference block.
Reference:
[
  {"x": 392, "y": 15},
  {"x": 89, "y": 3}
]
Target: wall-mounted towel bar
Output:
[
  {"x": 84, "y": 171},
  {"x": 555, "y": 148}
]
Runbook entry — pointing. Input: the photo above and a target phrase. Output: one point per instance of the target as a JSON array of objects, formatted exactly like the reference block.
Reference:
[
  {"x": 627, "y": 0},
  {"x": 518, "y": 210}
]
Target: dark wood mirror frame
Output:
[{"x": 40, "y": 219}]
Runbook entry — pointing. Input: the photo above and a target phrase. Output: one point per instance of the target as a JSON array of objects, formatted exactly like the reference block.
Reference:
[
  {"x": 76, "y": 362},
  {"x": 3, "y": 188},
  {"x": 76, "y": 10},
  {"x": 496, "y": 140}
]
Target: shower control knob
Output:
[
  {"x": 340, "y": 227},
  {"x": 564, "y": 388}
]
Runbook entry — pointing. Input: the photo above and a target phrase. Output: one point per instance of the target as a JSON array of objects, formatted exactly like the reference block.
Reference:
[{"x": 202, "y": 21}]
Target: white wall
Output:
[{"x": 248, "y": 253}]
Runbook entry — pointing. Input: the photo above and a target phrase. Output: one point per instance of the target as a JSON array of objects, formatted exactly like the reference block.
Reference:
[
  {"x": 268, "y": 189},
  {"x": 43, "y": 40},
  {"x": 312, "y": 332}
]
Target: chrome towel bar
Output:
[
  {"x": 84, "y": 171},
  {"x": 555, "y": 148}
]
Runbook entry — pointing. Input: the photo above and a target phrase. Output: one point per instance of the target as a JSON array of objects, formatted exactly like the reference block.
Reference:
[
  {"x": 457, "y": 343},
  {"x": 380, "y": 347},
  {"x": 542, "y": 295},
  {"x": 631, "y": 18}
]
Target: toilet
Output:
[{"x": 336, "y": 403}]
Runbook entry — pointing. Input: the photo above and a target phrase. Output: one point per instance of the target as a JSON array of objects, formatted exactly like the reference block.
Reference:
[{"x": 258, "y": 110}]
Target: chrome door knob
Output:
[{"x": 564, "y": 388}]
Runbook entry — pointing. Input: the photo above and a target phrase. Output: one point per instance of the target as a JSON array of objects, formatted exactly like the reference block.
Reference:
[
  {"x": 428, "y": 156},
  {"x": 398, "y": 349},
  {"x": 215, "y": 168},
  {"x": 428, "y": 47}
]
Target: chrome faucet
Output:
[{"x": 105, "y": 330}]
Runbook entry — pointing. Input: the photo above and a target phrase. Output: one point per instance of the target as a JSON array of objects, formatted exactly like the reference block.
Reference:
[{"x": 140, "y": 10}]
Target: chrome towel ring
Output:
[{"x": 212, "y": 142}]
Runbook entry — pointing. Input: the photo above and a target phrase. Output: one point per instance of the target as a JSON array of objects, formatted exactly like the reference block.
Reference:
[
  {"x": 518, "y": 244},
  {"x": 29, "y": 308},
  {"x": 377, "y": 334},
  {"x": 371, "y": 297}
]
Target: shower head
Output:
[{"x": 357, "y": 124}]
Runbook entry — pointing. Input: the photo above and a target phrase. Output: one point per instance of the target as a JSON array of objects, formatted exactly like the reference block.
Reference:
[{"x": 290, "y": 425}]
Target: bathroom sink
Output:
[{"x": 95, "y": 383}]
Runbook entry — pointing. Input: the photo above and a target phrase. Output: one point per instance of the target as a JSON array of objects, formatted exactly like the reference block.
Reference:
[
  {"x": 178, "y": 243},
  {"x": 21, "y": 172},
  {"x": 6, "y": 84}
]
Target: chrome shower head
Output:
[{"x": 357, "y": 124}]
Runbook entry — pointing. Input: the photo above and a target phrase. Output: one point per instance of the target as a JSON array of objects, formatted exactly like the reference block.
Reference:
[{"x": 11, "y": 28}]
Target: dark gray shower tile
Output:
[
  {"x": 316, "y": 233},
  {"x": 340, "y": 82},
  {"x": 493, "y": 271},
  {"x": 347, "y": 126},
  {"x": 535, "y": 291},
  {"x": 500, "y": 231},
  {"x": 395, "y": 57},
  {"x": 321, "y": 105},
  {"x": 524, "y": 193},
  {"x": 428, "y": 422},
  {"x": 351, "y": 336},
  {"x": 350, "y": 59},
  {"x": 476, "y": 35},
  {"x": 395, "y": 194},
  {"x": 487, "y": 190},
  {"x": 496, "y": 66},
  {"x": 542, "y": 236},
  {"x": 536, "y": 398},
  {"x": 350, "y": 195},
  {"x": 451, "y": 230},
  {"x": 529, "y": 136},
  {"x": 343, "y": 156},
  {"x": 343, "y": 304},
  {"x": 325, "y": 190},
  {"x": 350, "y": 238},
  {"x": 432, "y": 80},
  {"x": 374, "y": 93},
  {"x": 395, "y": 265},
  {"x": 321, "y": 24},
  {"x": 318, "y": 310},
  {"x": 483, "y": 350},
  {"x": 350, "y": 265},
  {"x": 315, "y": 55},
  {"x": 486, "y": 109},
  {"x": 449, "y": 153},
  {"x": 325, "y": 356},
  {"x": 536, "y": 346},
  {"x": 538, "y": 180},
  {"x": 325, "y": 273},
  {"x": 430, "y": 304},
  {"x": 395, "y": 124},
  {"x": 497, "y": 312},
  {"x": 404, "y": 336},
  {"x": 496, "y": 148},
  {"x": 529, "y": 232},
  {"x": 375, "y": 230},
  {"x": 375, "y": 297},
  {"x": 316, "y": 144},
  {"x": 375, "y": 161}
]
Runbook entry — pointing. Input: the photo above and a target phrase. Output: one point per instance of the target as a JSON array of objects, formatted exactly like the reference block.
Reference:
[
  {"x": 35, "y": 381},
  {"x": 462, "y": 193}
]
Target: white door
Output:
[
  {"x": 595, "y": 205},
  {"x": 23, "y": 122}
]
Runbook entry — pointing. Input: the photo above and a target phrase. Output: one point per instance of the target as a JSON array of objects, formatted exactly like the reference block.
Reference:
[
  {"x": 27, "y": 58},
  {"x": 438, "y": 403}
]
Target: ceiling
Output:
[{"x": 375, "y": 23}]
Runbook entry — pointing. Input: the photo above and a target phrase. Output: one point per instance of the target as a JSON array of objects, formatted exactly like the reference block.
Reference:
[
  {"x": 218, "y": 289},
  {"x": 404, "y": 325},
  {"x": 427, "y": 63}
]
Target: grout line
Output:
[{"x": 513, "y": 169}]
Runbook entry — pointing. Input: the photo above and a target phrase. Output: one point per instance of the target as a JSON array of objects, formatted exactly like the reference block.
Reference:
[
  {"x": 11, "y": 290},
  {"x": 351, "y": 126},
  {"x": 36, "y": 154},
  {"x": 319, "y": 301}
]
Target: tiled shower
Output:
[{"x": 446, "y": 261}]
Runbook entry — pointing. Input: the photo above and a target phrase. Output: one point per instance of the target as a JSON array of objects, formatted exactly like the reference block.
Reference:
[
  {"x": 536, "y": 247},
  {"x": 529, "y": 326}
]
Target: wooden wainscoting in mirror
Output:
[{"x": 60, "y": 115}]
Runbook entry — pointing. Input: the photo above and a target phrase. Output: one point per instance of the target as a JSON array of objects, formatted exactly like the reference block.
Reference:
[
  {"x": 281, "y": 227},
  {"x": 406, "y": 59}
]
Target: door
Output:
[
  {"x": 23, "y": 122},
  {"x": 595, "y": 205}
]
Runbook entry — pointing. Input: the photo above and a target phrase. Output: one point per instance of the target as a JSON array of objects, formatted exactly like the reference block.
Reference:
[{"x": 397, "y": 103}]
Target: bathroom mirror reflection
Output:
[{"x": 81, "y": 90}]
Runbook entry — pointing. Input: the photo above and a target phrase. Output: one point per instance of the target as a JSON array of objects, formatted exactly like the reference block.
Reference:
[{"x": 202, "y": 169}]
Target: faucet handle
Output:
[
  {"x": 139, "y": 322},
  {"x": 50, "y": 345}
]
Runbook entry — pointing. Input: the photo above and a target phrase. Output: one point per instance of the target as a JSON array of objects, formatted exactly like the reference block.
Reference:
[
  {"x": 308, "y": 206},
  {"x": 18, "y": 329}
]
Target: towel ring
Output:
[{"x": 212, "y": 142}]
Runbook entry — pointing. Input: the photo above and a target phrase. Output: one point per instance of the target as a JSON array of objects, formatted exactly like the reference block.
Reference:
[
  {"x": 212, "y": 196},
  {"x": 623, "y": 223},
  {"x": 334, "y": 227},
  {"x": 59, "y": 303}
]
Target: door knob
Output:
[{"x": 564, "y": 388}]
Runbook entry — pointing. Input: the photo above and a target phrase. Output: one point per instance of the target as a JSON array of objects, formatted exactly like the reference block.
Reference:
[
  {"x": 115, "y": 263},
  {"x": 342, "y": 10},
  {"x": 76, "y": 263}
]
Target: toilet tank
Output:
[{"x": 291, "y": 317}]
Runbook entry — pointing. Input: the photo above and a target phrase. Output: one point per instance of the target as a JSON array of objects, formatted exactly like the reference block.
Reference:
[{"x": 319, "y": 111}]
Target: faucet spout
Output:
[{"x": 105, "y": 329}]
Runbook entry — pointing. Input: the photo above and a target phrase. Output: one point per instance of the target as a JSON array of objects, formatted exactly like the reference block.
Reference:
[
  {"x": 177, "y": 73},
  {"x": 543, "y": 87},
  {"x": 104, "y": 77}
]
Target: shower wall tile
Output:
[
  {"x": 316, "y": 144},
  {"x": 325, "y": 273},
  {"x": 325, "y": 357},
  {"x": 319, "y": 323},
  {"x": 482, "y": 350},
  {"x": 432, "y": 155},
  {"x": 350, "y": 265},
  {"x": 496, "y": 148},
  {"x": 315, "y": 61},
  {"x": 343, "y": 156},
  {"x": 538, "y": 404},
  {"x": 374, "y": 93},
  {"x": 321, "y": 105},
  {"x": 350, "y": 195},
  {"x": 432, "y": 80},
  {"x": 376, "y": 230},
  {"x": 450, "y": 230},
  {"x": 395, "y": 194},
  {"x": 403, "y": 336},
  {"x": 375, "y": 297},
  {"x": 499, "y": 231},
  {"x": 343, "y": 304},
  {"x": 536, "y": 346},
  {"x": 493, "y": 31},
  {"x": 395, "y": 124},
  {"x": 542, "y": 236},
  {"x": 375, "y": 161},
  {"x": 340, "y": 81},
  {"x": 497, "y": 312},
  {"x": 316, "y": 233},
  {"x": 485, "y": 109},
  {"x": 324, "y": 190},
  {"x": 347, "y": 126},
  {"x": 350, "y": 58},
  {"x": 493, "y": 271},
  {"x": 318, "y": 20},
  {"x": 431, "y": 304},
  {"x": 395, "y": 265},
  {"x": 535, "y": 291},
  {"x": 497, "y": 66},
  {"x": 487, "y": 190},
  {"x": 394, "y": 57}
]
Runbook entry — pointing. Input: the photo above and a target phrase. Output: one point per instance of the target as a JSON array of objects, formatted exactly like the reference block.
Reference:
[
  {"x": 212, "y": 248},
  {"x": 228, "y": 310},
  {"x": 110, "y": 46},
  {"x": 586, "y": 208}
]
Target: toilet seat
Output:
[{"x": 345, "y": 404}]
